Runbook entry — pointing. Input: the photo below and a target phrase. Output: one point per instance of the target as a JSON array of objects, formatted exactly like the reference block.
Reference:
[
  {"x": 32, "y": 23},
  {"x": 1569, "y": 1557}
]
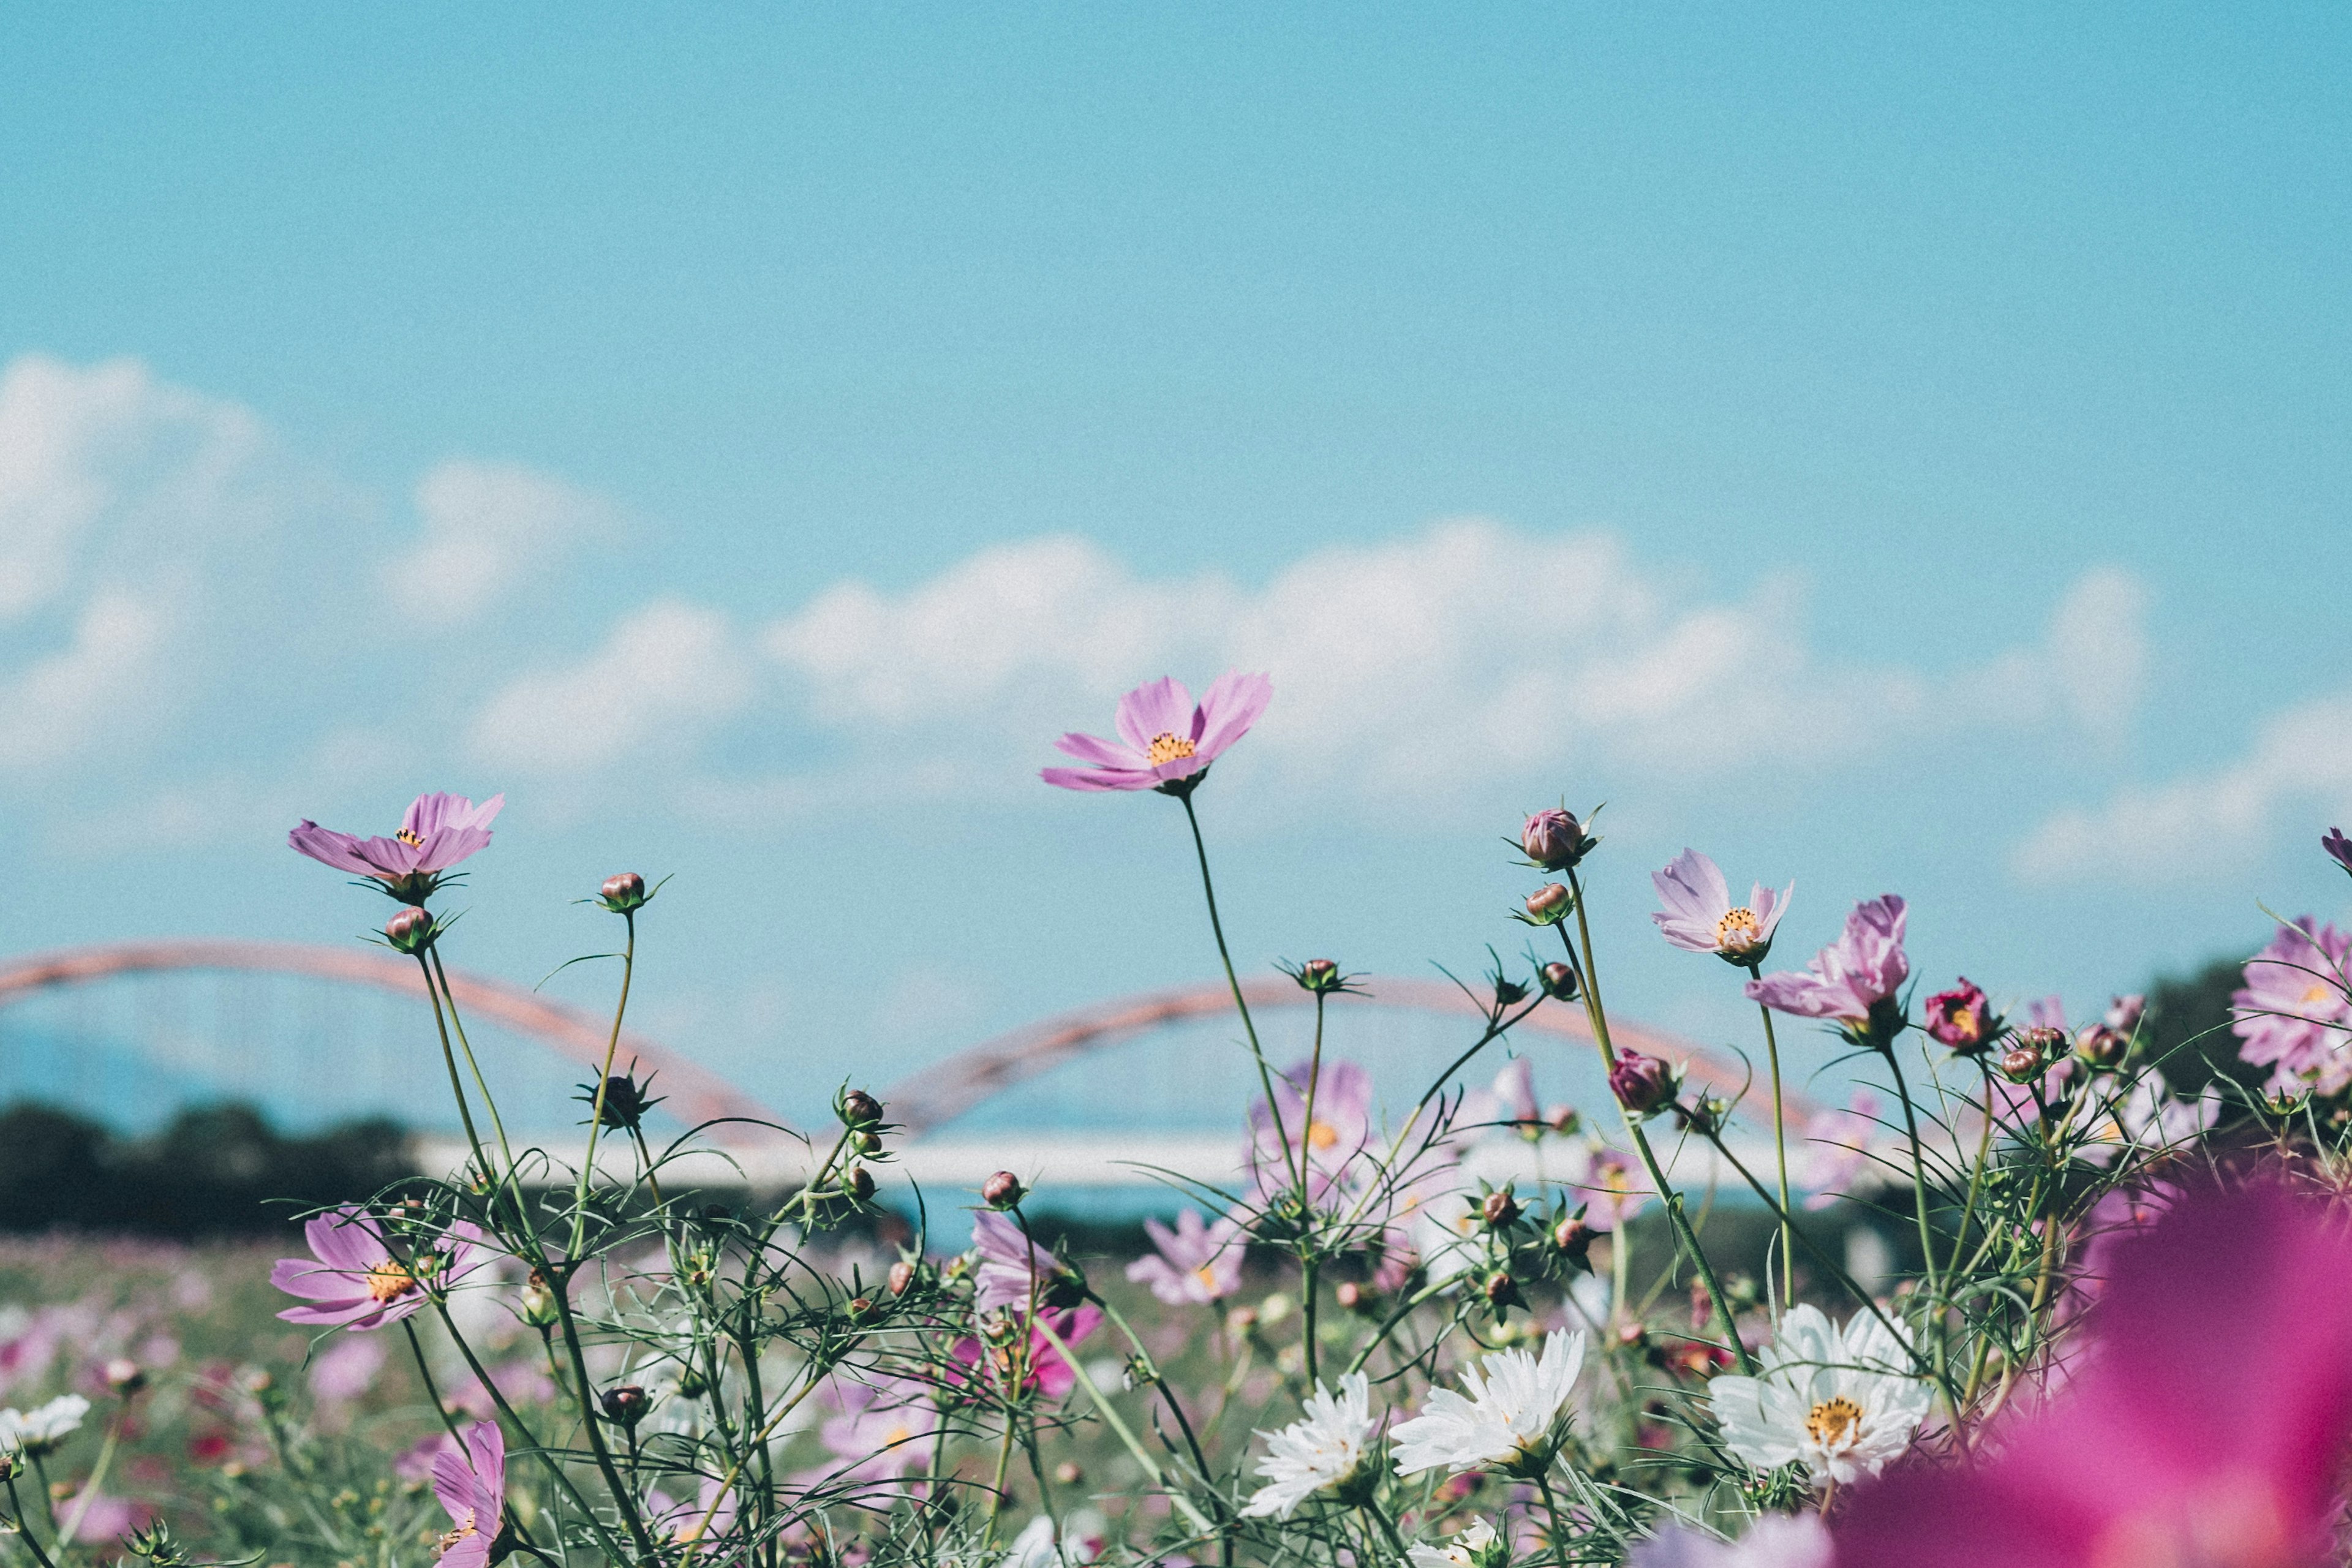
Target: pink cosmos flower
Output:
[
  {"x": 357, "y": 1280},
  {"x": 473, "y": 1488},
  {"x": 1613, "y": 1190},
  {"x": 2205, "y": 1425},
  {"x": 1961, "y": 1018},
  {"x": 1011, "y": 1266},
  {"x": 412, "y": 1465},
  {"x": 710, "y": 1516},
  {"x": 1194, "y": 1263},
  {"x": 2338, "y": 847},
  {"x": 1700, "y": 917},
  {"x": 2293, "y": 1014},
  {"x": 345, "y": 1370},
  {"x": 1047, "y": 1373},
  {"x": 1335, "y": 1140},
  {"x": 1838, "y": 1150},
  {"x": 886, "y": 1429},
  {"x": 438, "y": 831},
  {"x": 1169, "y": 742},
  {"x": 1853, "y": 981}
]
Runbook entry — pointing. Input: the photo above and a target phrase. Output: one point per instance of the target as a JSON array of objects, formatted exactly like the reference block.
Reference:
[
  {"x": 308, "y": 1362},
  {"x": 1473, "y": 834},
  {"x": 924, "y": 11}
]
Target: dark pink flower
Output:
[
  {"x": 1961, "y": 1020},
  {"x": 1851, "y": 982},
  {"x": 438, "y": 831},
  {"x": 1168, "y": 742},
  {"x": 2293, "y": 1014},
  {"x": 1642, "y": 1084},
  {"x": 2204, "y": 1428},
  {"x": 357, "y": 1280},
  {"x": 2338, "y": 847},
  {"x": 1044, "y": 1371},
  {"x": 1194, "y": 1263},
  {"x": 473, "y": 1488}
]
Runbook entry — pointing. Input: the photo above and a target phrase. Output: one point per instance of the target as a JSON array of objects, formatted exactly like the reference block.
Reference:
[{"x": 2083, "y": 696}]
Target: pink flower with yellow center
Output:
[
  {"x": 1700, "y": 917},
  {"x": 1852, "y": 982},
  {"x": 472, "y": 1487},
  {"x": 358, "y": 1279},
  {"x": 2293, "y": 1014},
  {"x": 437, "y": 833},
  {"x": 1194, "y": 1264},
  {"x": 1166, "y": 741}
]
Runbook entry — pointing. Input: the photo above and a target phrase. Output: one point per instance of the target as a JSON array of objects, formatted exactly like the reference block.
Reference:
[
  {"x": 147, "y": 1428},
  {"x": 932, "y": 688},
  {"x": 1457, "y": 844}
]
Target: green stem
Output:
[
  {"x": 1779, "y": 1145},
  {"x": 1224, "y": 955},
  {"x": 497, "y": 1126},
  {"x": 596, "y": 1115},
  {"x": 1119, "y": 1429},
  {"x": 456, "y": 1085},
  {"x": 622, "y": 1495},
  {"x": 89, "y": 1492},
  {"x": 1918, "y": 1168},
  {"x": 24, "y": 1522}
]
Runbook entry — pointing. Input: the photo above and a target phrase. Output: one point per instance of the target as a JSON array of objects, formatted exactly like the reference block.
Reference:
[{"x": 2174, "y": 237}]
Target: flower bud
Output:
[
  {"x": 1559, "y": 979},
  {"x": 2101, "y": 1047},
  {"x": 1547, "y": 905},
  {"x": 860, "y": 1307},
  {"x": 1002, "y": 1191},
  {"x": 1641, "y": 1084},
  {"x": 2021, "y": 1065},
  {"x": 1553, "y": 839},
  {"x": 626, "y": 1405},
  {"x": 2125, "y": 1013},
  {"x": 1068, "y": 1474},
  {"x": 539, "y": 1307},
  {"x": 1962, "y": 1020},
  {"x": 858, "y": 1108},
  {"x": 1572, "y": 1237},
  {"x": 1319, "y": 975},
  {"x": 625, "y": 894},
  {"x": 1561, "y": 1118},
  {"x": 123, "y": 1375},
  {"x": 1350, "y": 1295},
  {"x": 1499, "y": 1208},
  {"x": 1502, "y": 1290},
  {"x": 1273, "y": 1308},
  {"x": 411, "y": 930},
  {"x": 858, "y": 1184},
  {"x": 1241, "y": 1319},
  {"x": 902, "y": 1278},
  {"x": 624, "y": 1103},
  {"x": 1509, "y": 992}
]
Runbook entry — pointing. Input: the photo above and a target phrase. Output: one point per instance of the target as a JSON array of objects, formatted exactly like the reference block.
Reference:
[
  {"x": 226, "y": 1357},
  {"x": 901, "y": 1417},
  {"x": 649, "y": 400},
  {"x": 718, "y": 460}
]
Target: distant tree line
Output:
[{"x": 215, "y": 1170}]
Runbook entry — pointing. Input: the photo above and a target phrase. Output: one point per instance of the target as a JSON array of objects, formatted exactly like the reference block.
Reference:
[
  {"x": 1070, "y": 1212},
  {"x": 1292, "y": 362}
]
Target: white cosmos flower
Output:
[
  {"x": 1321, "y": 1452},
  {"x": 1511, "y": 1420},
  {"x": 41, "y": 1429},
  {"x": 1445, "y": 1234},
  {"x": 1842, "y": 1402},
  {"x": 1469, "y": 1548}
]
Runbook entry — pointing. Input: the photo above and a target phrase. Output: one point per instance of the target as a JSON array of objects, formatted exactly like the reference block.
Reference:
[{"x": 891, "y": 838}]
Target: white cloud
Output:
[
  {"x": 101, "y": 683},
  {"x": 669, "y": 673},
  {"x": 1468, "y": 652},
  {"x": 485, "y": 526},
  {"x": 2204, "y": 825}
]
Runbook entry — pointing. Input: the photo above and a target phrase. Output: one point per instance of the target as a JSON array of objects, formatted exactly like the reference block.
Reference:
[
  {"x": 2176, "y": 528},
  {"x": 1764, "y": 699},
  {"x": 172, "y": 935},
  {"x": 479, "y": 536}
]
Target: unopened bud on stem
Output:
[
  {"x": 1547, "y": 905},
  {"x": 625, "y": 894},
  {"x": 410, "y": 932},
  {"x": 1002, "y": 1191}
]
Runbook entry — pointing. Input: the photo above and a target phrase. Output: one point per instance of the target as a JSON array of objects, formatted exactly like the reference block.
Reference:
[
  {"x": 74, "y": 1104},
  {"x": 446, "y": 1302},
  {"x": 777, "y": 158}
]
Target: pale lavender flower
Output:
[
  {"x": 1194, "y": 1264},
  {"x": 886, "y": 1429},
  {"x": 1774, "y": 1541},
  {"x": 438, "y": 831},
  {"x": 1335, "y": 1140},
  {"x": 345, "y": 1370},
  {"x": 1165, "y": 741},
  {"x": 1011, "y": 1266},
  {"x": 1700, "y": 917},
  {"x": 2293, "y": 1014},
  {"x": 1838, "y": 1150},
  {"x": 1852, "y": 982},
  {"x": 1613, "y": 1190}
]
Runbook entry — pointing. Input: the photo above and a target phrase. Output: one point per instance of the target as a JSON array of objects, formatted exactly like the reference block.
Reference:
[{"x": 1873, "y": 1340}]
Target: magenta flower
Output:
[
  {"x": 2338, "y": 847},
  {"x": 438, "y": 831},
  {"x": 2293, "y": 1014},
  {"x": 1700, "y": 917},
  {"x": 1011, "y": 1266},
  {"x": 1961, "y": 1020},
  {"x": 2206, "y": 1423},
  {"x": 1851, "y": 982},
  {"x": 1043, "y": 1370},
  {"x": 1169, "y": 742},
  {"x": 1642, "y": 1084},
  {"x": 886, "y": 1431},
  {"x": 1334, "y": 1139},
  {"x": 358, "y": 1281},
  {"x": 1194, "y": 1263},
  {"x": 473, "y": 1488}
]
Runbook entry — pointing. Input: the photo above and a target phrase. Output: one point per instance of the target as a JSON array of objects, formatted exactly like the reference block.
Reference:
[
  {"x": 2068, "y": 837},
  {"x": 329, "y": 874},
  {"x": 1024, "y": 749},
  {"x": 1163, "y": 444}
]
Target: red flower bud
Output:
[
  {"x": 1499, "y": 1208},
  {"x": 902, "y": 1278},
  {"x": 625, "y": 893},
  {"x": 409, "y": 932},
  {"x": 1641, "y": 1084},
  {"x": 1572, "y": 1237},
  {"x": 1548, "y": 904},
  {"x": 1002, "y": 1191},
  {"x": 626, "y": 1405},
  {"x": 1319, "y": 975}
]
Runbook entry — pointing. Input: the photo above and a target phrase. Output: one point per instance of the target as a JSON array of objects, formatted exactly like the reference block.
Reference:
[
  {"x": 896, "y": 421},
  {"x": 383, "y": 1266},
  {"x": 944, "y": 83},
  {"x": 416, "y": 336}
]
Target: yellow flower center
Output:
[
  {"x": 1207, "y": 1275},
  {"x": 390, "y": 1280},
  {"x": 1738, "y": 929},
  {"x": 465, "y": 1528},
  {"x": 2317, "y": 994},
  {"x": 1322, "y": 1135},
  {"x": 1834, "y": 1422},
  {"x": 1167, "y": 748},
  {"x": 409, "y": 838}
]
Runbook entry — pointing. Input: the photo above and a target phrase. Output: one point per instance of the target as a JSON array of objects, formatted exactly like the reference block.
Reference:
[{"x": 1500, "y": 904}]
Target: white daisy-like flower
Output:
[
  {"x": 1445, "y": 1233},
  {"x": 1510, "y": 1419},
  {"x": 1321, "y": 1452},
  {"x": 1470, "y": 1548},
  {"x": 41, "y": 1429},
  {"x": 1842, "y": 1402}
]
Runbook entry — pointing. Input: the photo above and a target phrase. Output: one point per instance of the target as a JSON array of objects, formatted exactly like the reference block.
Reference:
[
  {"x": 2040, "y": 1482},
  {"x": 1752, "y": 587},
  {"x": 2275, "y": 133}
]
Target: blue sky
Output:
[{"x": 1895, "y": 452}]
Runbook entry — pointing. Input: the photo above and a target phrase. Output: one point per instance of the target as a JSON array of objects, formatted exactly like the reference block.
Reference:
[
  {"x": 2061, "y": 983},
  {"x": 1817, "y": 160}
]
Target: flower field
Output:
[{"x": 2116, "y": 1328}]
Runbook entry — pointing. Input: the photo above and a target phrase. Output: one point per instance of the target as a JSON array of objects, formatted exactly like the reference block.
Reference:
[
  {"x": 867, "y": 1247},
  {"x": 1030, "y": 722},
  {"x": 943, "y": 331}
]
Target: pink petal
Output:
[
  {"x": 1162, "y": 708},
  {"x": 1232, "y": 706},
  {"x": 1097, "y": 778},
  {"x": 1103, "y": 753}
]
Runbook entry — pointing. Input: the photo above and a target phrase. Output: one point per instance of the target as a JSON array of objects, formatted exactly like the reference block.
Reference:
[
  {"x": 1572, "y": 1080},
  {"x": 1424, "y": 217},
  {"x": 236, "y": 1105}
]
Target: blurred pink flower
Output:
[
  {"x": 1047, "y": 1373},
  {"x": 2293, "y": 1014},
  {"x": 438, "y": 831},
  {"x": 105, "y": 1518},
  {"x": 345, "y": 1370},
  {"x": 1011, "y": 1266},
  {"x": 473, "y": 1488},
  {"x": 1335, "y": 1141},
  {"x": 1169, "y": 742},
  {"x": 1853, "y": 981},
  {"x": 710, "y": 1514},
  {"x": 413, "y": 1464},
  {"x": 885, "y": 1429},
  {"x": 2205, "y": 1426},
  {"x": 523, "y": 1380},
  {"x": 1838, "y": 1150},
  {"x": 355, "y": 1280},
  {"x": 1194, "y": 1264},
  {"x": 1700, "y": 917},
  {"x": 1614, "y": 1189}
]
